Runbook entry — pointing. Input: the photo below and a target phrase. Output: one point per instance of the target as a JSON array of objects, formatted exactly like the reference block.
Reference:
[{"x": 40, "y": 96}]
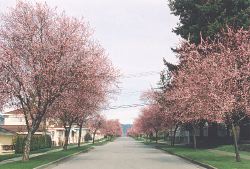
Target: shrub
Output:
[
  {"x": 87, "y": 137},
  {"x": 37, "y": 142}
]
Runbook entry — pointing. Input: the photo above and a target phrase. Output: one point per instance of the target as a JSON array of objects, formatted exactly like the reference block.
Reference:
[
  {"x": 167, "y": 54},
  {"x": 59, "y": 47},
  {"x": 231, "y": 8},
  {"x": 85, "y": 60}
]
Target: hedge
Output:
[
  {"x": 87, "y": 137},
  {"x": 37, "y": 142}
]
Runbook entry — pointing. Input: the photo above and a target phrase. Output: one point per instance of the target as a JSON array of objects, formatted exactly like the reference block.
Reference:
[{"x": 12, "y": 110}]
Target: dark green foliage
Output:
[
  {"x": 208, "y": 17},
  {"x": 37, "y": 142},
  {"x": 18, "y": 142},
  {"x": 87, "y": 137}
]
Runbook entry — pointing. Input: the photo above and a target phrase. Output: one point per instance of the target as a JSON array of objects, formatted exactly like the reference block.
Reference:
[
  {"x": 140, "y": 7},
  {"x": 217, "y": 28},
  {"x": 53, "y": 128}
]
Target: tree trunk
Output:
[
  {"x": 201, "y": 132},
  {"x": 228, "y": 131},
  {"x": 80, "y": 135},
  {"x": 171, "y": 137},
  {"x": 175, "y": 130},
  {"x": 94, "y": 137},
  {"x": 156, "y": 136},
  {"x": 194, "y": 139},
  {"x": 44, "y": 130},
  {"x": 26, "y": 150},
  {"x": 150, "y": 137},
  {"x": 66, "y": 139},
  {"x": 234, "y": 132}
]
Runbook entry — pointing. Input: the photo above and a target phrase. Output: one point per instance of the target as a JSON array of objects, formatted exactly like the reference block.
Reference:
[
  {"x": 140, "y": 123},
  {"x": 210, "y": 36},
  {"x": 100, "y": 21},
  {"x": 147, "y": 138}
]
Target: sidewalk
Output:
[{"x": 38, "y": 154}]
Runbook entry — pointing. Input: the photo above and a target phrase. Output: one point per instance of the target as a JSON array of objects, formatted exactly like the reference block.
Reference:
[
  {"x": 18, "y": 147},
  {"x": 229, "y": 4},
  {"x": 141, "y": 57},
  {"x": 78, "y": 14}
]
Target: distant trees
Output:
[
  {"x": 95, "y": 124},
  {"x": 112, "y": 128},
  {"x": 152, "y": 119},
  {"x": 47, "y": 61},
  {"x": 108, "y": 128}
]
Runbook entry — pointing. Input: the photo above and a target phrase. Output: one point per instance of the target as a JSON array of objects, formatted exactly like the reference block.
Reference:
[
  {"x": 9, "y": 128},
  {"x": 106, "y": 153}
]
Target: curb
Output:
[
  {"x": 189, "y": 159},
  {"x": 63, "y": 158}
]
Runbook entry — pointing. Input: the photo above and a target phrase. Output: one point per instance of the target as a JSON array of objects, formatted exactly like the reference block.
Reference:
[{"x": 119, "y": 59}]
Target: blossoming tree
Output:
[
  {"x": 213, "y": 81},
  {"x": 43, "y": 56}
]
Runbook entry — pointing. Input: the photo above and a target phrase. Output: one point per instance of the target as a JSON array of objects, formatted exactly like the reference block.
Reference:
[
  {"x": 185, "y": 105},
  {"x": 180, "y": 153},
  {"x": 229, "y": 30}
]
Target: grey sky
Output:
[{"x": 136, "y": 34}]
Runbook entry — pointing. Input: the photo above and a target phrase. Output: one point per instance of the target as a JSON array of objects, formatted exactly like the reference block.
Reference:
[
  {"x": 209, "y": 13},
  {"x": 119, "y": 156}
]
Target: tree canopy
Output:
[{"x": 208, "y": 17}]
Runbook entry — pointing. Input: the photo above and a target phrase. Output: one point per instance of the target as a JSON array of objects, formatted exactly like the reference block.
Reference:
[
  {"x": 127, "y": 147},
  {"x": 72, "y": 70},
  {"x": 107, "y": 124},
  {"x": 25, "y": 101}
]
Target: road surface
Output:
[{"x": 125, "y": 153}]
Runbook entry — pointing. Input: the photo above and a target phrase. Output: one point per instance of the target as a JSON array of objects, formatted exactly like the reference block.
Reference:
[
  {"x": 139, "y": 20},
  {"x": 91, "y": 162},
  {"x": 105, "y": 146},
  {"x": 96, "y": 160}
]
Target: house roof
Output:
[
  {"x": 4, "y": 131},
  {"x": 18, "y": 128},
  {"x": 17, "y": 111}
]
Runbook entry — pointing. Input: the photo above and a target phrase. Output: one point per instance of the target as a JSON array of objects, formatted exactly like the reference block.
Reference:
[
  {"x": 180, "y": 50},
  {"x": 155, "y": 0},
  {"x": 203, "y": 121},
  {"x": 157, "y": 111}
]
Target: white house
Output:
[
  {"x": 6, "y": 137},
  {"x": 57, "y": 134},
  {"x": 14, "y": 123}
]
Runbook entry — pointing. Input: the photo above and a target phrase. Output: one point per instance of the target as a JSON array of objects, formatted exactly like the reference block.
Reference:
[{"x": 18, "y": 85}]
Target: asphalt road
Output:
[{"x": 125, "y": 153}]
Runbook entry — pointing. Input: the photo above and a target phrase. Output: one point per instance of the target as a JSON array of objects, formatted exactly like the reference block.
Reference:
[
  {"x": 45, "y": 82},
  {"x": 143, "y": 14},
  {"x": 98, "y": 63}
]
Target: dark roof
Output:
[
  {"x": 4, "y": 131},
  {"x": 17, "y": 128},
  {"x": 1, "y": 119},
  {"x": 17, "y": 111}
]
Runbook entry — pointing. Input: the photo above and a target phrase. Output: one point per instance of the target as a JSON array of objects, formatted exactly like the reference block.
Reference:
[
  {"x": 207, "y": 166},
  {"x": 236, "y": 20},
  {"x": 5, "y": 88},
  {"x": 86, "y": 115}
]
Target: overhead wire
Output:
[
  {"x": 126, "y": 106},
  {"x": 141, "y": 74}
]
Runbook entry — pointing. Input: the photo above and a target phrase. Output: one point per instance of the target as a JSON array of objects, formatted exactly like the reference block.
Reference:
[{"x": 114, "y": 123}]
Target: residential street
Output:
[{"x": 125, "y": 153}]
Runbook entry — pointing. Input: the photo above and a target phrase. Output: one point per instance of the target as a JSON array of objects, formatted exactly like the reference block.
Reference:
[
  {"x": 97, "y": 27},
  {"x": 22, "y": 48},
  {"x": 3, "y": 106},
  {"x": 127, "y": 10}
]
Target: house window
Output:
[{"x": 59, "y": 133}]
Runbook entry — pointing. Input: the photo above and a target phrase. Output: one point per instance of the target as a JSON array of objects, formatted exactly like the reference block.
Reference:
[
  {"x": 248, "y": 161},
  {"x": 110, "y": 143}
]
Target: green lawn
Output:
[
  {"x": 44, "y": 159},
  {"x": 244, "y": 148},
  {"x": 9, "y": 156},
  {"x": 207, "y": 157}
]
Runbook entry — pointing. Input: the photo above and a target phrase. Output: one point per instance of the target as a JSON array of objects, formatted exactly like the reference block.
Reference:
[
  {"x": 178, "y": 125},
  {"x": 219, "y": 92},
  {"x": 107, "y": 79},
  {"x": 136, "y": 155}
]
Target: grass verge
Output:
[
  {"x": 10, "y": 156},
  {"x": 243, "y": 148},
  {"x": 205, "y": 156}
]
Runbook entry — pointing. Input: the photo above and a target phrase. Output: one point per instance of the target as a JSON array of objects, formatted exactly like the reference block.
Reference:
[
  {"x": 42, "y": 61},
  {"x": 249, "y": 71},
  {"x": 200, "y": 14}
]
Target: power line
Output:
[
  {"x": 138, "y": 91},
  {"x": 132, "y": 92},
  {"x": 141, "y": 74},
  {"x": 127, "y": 106}
]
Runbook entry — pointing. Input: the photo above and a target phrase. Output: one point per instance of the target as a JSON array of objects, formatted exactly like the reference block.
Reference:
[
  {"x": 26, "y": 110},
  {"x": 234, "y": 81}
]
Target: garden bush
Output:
[
  {"x": 87, "y": 137},
  {"x": 37, "y": 142}
]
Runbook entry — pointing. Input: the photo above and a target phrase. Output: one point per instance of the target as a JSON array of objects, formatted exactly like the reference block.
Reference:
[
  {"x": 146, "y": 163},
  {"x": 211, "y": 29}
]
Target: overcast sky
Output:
[{"x": 136, "y": 34}]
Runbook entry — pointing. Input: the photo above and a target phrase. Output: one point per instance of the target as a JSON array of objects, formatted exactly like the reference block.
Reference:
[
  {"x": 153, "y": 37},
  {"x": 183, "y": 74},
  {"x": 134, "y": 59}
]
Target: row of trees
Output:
[
  {"x": 108, "y": 128},
  {"x": 52, "y": 68},
  {"x": 211, "y": 83}
]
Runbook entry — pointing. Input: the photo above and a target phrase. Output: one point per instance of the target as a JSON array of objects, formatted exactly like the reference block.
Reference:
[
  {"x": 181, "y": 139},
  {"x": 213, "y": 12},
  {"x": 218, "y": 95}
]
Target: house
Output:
[
  {"x": 6, "y": 138},
  {"x": 211, "y": 134},
  {"x": 1, "y": 119},
  {"x": 14, "y": 123},
  {"x": 14, "y": 117},
  {"x": 56, "y": 131}
]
